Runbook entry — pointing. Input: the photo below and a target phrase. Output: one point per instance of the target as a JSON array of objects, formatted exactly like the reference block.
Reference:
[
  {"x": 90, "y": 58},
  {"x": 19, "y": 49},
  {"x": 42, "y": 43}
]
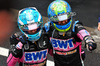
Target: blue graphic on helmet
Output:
[{"x": 30, "y": 23}]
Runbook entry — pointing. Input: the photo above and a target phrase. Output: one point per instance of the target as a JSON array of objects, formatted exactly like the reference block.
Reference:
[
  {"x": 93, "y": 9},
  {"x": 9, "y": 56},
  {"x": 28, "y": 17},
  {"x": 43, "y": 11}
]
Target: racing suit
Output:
[
  {"x": 27, "y": 53},
  {"x": 67, "y": 46}
]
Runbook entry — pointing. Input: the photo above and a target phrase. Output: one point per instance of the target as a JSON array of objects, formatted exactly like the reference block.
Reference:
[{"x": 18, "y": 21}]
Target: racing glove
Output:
[
  {"x": 90, "y": 44},
  {"x": 17, "y": 43}
]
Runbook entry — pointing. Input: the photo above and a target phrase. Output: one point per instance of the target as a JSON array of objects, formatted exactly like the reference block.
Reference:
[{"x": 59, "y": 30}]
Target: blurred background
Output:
[
  {"x": 6, "y": 20},
  {"x": 87, "y": 12}
]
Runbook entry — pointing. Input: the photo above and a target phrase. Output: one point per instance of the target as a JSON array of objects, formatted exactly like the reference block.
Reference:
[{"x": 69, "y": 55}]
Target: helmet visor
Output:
[
  {"x": 32, "y": 28},
  {"x": 61, "y": 17}
]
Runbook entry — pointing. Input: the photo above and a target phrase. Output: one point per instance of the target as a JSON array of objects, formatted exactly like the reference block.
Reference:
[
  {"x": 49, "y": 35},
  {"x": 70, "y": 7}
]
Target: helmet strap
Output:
[{"x": 35, "y": 42}]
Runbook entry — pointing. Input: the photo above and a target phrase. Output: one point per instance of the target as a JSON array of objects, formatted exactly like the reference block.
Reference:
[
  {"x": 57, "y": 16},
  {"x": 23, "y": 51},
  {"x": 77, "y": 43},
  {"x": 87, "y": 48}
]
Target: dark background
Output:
[
  {"x": 5, "y": 4},
  {"x": 87, "y": 10}
]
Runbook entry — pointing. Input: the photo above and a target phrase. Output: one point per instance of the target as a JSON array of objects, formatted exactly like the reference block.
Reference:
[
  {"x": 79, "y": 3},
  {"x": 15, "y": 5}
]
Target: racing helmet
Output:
[
  {"x": 30, "y": 23},
  {"x": 59, "y": 11}
]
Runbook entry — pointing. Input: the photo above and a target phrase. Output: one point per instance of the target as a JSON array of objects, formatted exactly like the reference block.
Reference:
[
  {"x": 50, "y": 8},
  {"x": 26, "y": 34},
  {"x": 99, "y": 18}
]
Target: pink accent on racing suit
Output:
[
  {"x": 80, "y": 48},
  {"x": 19, "y": 45},
  {"x": 82, "y": 33},
  {"x": 51, "y": 52},
  {"x": 11, "y": 61}
]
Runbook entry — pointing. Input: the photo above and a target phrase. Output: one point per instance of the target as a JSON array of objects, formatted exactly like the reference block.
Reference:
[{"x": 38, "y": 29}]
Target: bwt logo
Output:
[
  {"x": 36, "y": 56},
  {"x": 62, "y": 44}
]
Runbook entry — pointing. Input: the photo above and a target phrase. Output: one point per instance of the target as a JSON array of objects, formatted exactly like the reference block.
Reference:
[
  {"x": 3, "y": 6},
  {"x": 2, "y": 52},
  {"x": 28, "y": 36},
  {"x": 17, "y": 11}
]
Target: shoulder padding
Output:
[{"x": 76, "y": 23}]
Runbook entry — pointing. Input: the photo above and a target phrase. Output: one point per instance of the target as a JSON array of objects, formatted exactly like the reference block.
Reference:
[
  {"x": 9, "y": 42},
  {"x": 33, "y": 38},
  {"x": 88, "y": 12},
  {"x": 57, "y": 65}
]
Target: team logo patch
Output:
[
  {"x": 39, "y": 64},
  {"x": 63, "y": 45},
  {"x": 33, "y": 57}
]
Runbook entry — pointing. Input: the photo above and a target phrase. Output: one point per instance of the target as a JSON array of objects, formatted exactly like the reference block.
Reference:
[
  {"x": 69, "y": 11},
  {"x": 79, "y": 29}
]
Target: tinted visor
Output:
[
  {"x": 64, "y": 22},
  {"x": 62, "y": 17}
]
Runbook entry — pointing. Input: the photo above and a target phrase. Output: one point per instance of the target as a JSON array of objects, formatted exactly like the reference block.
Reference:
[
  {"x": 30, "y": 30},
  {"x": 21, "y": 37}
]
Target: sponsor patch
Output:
[
  {"x": 66, "y": 53},
  {"x": 36, "y": 57}
]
